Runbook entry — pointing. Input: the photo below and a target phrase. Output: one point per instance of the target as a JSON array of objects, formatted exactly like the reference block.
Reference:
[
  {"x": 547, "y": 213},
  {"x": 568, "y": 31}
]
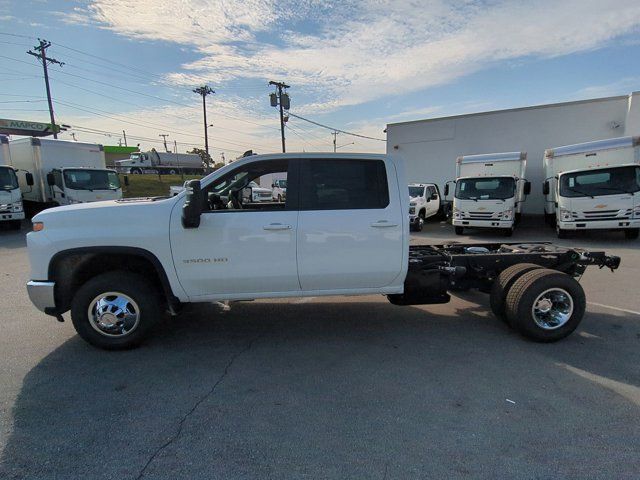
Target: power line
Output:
[
  {"x": 336, "y": 129},
  {"x": 42, "y": 56}
]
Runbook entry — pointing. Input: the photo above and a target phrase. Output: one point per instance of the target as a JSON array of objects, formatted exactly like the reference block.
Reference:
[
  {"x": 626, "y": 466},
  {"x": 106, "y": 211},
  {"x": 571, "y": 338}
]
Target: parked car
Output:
[
  {"x": 119, "y": 265},
  {"x": 260, "y": 194},
  {"x": 424, "y": 202},
  {"x": 279, "y": 189}
]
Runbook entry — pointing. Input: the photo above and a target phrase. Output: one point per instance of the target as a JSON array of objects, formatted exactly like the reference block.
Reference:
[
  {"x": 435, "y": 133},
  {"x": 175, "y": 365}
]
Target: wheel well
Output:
[
  {"x": 72, "y": 269},
  {"x": 423, "y": 210}
]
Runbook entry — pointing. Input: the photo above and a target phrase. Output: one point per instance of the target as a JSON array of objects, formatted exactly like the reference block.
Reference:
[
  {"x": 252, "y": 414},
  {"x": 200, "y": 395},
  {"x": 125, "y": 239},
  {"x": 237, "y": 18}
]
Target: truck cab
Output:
[
  {"x": 489, "y": 191},
  {"x": 279, "y": 191},
  {"x": 594, "y": 186},
  {"x": 11, "y": 208},
  {"x": 82, "y": 185},
  {"x": 424, "y": 202}
]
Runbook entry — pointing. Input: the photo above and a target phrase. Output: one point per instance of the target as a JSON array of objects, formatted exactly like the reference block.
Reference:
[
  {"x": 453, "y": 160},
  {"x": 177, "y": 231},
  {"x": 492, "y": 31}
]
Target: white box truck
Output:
[
  {"x": 594, "y": 185},
  {"x": 161, "y": 162},
  {"x": 63, "y": 172},
  {"x": 489, "y": 191},
  {"x": 11, "y": 208}
]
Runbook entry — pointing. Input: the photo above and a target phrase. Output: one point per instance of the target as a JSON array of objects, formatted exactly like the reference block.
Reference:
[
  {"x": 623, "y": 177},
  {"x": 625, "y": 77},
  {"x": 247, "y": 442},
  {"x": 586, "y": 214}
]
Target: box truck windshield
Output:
[
  {"x": 485, "y": 188},
  {"x": 8, "y": 179},
  {"x": 595, "y": 183},
  {"x": 87, "y": 179}
]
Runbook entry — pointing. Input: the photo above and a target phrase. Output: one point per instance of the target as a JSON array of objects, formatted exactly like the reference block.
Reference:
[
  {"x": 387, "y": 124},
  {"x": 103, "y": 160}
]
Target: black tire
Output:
[
  {"x": 151, "y": 307},
  {"x": 522, "y": 296},
  {"x": 136, "y": 171},
  {"x": 459, "y": 230},
  {"x": 632, "y": 233},
  {"x": 503, "y": 283},
  {"x": 420, "y": 222},
  {"x": 172, "y": 172},
  {"x": 561, "y": 233},
  {"x": 508, "y": 232}
]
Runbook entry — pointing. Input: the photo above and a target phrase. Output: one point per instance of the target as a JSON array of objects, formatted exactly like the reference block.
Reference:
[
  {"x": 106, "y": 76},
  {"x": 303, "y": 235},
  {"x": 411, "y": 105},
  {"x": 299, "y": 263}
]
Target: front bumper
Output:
[
  {"x": 12, "y": 216},
  {"x": 489, "y": 223},
  {"x": 41, "y": 295},
  {"x": 600, "y": 224}
]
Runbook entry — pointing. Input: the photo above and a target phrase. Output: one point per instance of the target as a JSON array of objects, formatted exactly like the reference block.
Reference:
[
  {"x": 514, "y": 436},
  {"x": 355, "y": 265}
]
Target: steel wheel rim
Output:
[
  {"x": 552, "y": 308},
  {"x": 113, "y": 314}
]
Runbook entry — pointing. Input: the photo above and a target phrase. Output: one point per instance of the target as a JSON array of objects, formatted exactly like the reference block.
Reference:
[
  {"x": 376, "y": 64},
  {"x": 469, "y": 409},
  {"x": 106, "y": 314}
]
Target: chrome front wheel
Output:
[
  {"x": 114, "y": 314},
  {"x": 552, "y": 308}
]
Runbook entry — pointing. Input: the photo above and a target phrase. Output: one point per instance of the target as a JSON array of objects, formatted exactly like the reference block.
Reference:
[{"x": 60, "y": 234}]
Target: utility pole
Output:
[
  {"x": 204, "y": 91},
  {"x": 42, "y": 56},
  {"x": 335, "y": 138},
  {"x": 164, "y": 139},
  {"x": 124, "y": 134},
  {"x": 281, "y": 99}
]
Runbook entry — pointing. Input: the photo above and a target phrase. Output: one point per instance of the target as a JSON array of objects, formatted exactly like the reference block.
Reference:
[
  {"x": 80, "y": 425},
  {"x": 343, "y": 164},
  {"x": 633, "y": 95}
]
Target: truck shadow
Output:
[
  {"x": 13, "y": 239},
  {"x": 286, "y": 374}
]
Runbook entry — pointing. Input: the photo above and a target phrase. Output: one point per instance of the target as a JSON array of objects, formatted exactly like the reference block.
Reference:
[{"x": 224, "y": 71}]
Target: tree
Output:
[{"x": 206, "y": 158}]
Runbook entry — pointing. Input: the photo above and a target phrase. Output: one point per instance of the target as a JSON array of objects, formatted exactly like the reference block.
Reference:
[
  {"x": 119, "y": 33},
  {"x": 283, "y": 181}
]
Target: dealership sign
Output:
[{"x": 25, "y": 127}]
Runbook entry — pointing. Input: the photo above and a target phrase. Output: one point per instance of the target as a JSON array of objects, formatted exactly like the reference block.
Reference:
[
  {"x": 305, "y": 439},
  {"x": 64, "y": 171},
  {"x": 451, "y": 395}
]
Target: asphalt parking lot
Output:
[{"x": 328, "y": 387}]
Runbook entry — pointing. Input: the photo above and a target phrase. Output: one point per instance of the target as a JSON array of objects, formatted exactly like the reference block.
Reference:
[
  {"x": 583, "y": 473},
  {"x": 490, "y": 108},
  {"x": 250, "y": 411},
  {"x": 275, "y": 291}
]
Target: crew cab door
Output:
[
  {"x": 245, "y": 252},
  {"x": 350, "y": 228},
  {"x": 433, "y": 200}
]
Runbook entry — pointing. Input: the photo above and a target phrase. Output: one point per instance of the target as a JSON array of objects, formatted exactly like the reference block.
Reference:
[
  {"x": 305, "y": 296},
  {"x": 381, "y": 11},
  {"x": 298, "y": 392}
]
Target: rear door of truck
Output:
[{"x": 350, "y": 225}]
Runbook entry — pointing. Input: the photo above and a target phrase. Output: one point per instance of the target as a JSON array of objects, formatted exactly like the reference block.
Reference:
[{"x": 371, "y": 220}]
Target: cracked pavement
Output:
[{"x": 325, "y": 388}]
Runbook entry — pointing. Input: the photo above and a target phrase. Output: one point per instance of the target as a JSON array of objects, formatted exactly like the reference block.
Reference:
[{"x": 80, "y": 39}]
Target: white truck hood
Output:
[
  {"x": 10, "y": 196},
  {"x": 483, "y": 205},
  {"x": 606, "y": 203}
]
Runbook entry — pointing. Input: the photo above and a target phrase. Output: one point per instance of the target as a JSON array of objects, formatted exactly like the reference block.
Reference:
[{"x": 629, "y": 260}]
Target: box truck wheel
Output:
[
  {"x": 508, "y": 232},
  {"x": 459, "y": 230},
  {"x": 561, "y": 233},
  {"x": 545, "y": 305},
  {"x": 632, "y": 233},
  {"x": 503, "y": 283},
  {"x": 116, "y": 310}
]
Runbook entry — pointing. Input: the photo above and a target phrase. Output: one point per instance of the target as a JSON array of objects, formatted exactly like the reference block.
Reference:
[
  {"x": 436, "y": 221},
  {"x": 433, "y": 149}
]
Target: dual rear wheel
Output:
[{"x": 543, "y": 305}]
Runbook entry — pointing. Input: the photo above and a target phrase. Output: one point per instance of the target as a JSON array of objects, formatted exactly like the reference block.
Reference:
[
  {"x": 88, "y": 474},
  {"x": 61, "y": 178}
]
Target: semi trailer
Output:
[
  {"x": 161, "y": 162},
  {"x": 489, "y": 191},
  {"x": 343, "y": 229},
  {"x": 594, "y": 186}
]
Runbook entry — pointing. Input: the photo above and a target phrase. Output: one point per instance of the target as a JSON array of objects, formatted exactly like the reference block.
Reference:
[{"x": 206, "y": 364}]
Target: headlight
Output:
[
  {"x": 565, "y": 215},
  {"x": 17, "y": 207},
  {"x": 636, "y": 212},
  {"x": 506, "y": 215},
  {"x": 457, "y": 214}
]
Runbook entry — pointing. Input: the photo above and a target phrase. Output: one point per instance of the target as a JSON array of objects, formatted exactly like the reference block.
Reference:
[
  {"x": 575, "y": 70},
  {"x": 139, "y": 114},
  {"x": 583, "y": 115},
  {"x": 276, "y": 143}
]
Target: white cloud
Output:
[
  {"x": 352, "y": 52},
  {"x": 619, "y": 87}
]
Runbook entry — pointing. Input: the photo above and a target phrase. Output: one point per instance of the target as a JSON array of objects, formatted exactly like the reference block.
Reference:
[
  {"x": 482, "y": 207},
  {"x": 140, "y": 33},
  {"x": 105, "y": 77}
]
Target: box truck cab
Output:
[
  {"x": 594, "y": 186},
  {"x": 62, "y": 172},
  {"x": 11, "y": 209},
  {"x": 424, "y": 202},
  {"x": 489, "y": 191}
]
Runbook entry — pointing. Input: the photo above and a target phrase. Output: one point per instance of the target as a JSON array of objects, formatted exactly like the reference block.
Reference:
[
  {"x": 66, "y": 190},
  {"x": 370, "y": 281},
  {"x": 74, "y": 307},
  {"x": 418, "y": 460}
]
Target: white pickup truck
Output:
[
  {"x": 343, "y": 230},
  {"x": 424, "y": 202}
]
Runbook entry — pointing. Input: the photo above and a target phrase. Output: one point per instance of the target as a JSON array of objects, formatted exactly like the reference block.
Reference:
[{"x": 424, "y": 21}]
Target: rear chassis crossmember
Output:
[{"x": 436, "y": 270}]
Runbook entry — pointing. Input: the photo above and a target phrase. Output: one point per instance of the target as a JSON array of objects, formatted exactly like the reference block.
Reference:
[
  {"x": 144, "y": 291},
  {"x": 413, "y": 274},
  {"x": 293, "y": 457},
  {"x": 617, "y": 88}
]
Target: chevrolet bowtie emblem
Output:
[{"x": 600, "y": 206}]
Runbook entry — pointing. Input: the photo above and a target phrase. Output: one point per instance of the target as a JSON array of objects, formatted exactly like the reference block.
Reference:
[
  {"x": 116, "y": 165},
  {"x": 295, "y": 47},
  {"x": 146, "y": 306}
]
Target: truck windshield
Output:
[
  {"x": 606, "y": 181},
  {"x": 8, "y": 180},
  {"x": 486, "y": 188},
  {"x": 91, "y": 179},
  {"x": 416, "y": 191},
  {"x": 281, "y": 183}
]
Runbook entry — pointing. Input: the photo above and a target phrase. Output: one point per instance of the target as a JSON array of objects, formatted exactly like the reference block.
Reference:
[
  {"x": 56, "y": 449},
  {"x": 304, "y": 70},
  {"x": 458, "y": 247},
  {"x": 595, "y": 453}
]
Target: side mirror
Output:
[
  {"x": 192, "y": 208},
  {"x": 545, "y": 187},
  {"x": 126, "y": 180},
  {"x": 29, "y": 178},
  {"x": 446, "y": 189},
  {"x": 273, "y": 185},
  {"x": 247, "y": 195},
  {"x": 51, "y": 180},
  {"x": 527, "y": 188}
]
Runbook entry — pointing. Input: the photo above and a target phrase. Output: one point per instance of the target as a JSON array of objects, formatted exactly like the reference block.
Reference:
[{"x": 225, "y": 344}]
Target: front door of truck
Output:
[
  {"x": 350, "y": 233},
  {"x": 239, "y": 249},
  {"x": 57, "y": 189},
  {"x": 433, "y": 200}
]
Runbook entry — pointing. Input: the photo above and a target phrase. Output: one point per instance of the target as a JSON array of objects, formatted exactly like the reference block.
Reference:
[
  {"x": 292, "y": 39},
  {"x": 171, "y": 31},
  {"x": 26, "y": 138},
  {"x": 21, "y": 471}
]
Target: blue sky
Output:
[{"x": 355, "y": 64}]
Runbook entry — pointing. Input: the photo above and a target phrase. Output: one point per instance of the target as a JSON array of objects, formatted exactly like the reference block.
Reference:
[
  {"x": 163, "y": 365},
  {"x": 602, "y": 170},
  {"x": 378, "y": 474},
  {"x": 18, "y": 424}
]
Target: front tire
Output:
[
  {"x": 561, "y": 233},
  {"x": 459, "y": 230},
  {"x": 632, "y": 233},
  {"x": 545, "y": 305},
  {"x": 116, "y": 310}
]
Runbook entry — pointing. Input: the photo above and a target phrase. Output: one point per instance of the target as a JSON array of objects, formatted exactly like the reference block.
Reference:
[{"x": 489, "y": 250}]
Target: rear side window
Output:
[
  {"x": 343, "y": 184},
  {"x": 431, "y": 190}
]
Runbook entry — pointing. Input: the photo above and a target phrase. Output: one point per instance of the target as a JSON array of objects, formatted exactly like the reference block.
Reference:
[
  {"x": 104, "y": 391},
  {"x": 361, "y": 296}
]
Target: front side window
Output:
[
  {"x": 609, "y": 181},
  {"x": 8, "y": 179},
  {"x": 490, "y": 188},
  {"x": 343, "y": 184},
  {"x": 91, "y": 179}
]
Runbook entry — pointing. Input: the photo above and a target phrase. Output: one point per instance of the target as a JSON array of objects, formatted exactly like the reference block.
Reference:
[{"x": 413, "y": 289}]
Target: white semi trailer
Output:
[
  {"x": 489, "y": 192},
  {"x": 62, "y": 172},
  {"x": 161, "y": 162},
  {"x": 11, "y": 208},
  {"x": 594, "y": 185}
]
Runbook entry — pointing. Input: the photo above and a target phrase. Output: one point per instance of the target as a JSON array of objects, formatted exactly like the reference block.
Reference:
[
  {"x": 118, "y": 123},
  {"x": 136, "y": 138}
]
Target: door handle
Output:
[
  {"x": 383, "y": 224},
  {"x": 277, "y": 226}
]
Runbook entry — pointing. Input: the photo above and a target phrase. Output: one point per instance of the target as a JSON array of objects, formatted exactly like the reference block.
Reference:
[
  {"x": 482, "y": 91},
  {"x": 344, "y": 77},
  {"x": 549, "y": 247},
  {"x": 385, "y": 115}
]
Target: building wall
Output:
[{"x": 430, "y": 147}]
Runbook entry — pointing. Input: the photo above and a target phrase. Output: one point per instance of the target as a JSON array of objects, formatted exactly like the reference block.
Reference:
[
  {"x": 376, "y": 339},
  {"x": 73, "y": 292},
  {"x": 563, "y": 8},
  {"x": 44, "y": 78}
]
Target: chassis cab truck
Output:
[
  {"x": 594, "y": 186},
  {"x": 11, "y": 208},
  {"x": 63, "y": 172},
  {"x": 424, "y": 202},
  {"x": 342, "y": 230},
  {"x": 489, "y": 191}
]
